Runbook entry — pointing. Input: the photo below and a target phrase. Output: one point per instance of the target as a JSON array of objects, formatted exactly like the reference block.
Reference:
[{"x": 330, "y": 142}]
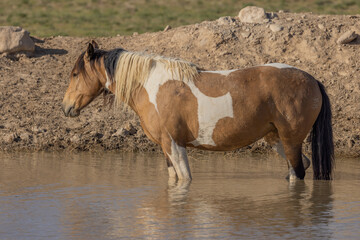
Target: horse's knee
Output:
[
  {"x": 177, "y": 161},
  {"x": 295, "y": 161}
]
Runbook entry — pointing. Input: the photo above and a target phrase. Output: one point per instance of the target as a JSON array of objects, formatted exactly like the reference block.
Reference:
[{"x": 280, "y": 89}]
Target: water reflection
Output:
[
  {"x": 112, "y": 196},
  {"x": 303, "y": 210},
  {"x": 177, "y": 191}
]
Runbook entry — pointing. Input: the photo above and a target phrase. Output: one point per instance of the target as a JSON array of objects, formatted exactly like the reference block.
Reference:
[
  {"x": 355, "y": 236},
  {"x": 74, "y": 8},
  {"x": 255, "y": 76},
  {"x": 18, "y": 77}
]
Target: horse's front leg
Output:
[
  {"x": 171, "y": 169},
  {"x": 177, "y": 160}
]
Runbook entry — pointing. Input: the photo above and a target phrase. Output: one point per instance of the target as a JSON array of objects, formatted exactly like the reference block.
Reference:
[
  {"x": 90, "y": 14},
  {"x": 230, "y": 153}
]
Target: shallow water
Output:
[{"x": 116, "y": 196}]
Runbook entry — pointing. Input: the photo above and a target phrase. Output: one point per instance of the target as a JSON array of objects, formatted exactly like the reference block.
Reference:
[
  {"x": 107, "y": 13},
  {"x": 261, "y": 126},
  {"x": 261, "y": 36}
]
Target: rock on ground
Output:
[
  {"x": 252, "y": 14},
  {"x": 167, "y": 28},
  {"x": 347, "y": 37},
  {"x": 276, "y": 28},
  {"x": 15, "y": 39}
]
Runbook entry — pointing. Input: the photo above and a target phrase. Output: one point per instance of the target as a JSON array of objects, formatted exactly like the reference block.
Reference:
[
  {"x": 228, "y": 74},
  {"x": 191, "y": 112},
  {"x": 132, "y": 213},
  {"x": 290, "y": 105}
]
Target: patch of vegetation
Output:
[{"x": 111, "y": 17}]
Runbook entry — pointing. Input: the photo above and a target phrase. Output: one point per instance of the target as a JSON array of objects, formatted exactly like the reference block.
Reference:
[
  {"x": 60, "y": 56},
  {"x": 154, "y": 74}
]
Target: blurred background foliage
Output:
[{"x": 111, "y": 17}]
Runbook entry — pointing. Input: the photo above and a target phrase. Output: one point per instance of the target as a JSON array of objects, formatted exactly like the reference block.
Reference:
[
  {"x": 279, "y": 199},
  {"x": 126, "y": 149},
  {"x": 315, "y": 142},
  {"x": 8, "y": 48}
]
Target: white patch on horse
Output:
[
  {"x": 157, "y": 77},
  {"x": 210, "y": 111},
  {"x": 108, "y": 82},
  {"x": 280, "y": 149},
  {"x": 223, "y": 72},
  {"x": 179, "y": 160},
  {"x": 277, "y": 65},
  {"x": 292, "y": 174}
]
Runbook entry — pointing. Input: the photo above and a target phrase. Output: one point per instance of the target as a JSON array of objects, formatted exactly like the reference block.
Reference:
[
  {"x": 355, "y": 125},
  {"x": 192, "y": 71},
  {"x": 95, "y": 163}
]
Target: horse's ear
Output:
[
  {"x": 95, "y": 44},
  {"x": 89, "y": 52}
]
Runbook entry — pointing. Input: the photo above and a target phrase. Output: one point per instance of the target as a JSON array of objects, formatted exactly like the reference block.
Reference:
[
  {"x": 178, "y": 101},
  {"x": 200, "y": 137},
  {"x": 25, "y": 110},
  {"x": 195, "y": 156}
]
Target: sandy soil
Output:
[{"x": 32, "y": 87}]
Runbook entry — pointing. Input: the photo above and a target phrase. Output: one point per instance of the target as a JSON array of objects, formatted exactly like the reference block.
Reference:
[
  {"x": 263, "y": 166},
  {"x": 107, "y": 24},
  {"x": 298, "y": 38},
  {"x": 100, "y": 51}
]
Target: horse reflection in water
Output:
[
  {"x": 302, "y": 211},
  {"x": 181, "y": 106}
]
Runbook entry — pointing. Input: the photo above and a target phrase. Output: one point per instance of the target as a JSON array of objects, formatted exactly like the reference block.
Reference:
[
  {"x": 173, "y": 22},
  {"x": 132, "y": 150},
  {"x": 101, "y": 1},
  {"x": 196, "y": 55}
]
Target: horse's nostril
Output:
[{"x": 66, "y": 109}]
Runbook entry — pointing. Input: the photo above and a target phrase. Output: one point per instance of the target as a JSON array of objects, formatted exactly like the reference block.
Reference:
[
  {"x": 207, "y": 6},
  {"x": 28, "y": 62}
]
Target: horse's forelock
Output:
[
  {"x": 80, "y": 62},
  {"x": 79, "y": 66}
]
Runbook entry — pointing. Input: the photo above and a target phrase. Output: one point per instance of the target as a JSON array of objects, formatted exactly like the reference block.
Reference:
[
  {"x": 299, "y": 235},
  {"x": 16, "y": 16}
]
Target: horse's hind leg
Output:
[
  {"x": 293, "y": 155},
  {"x": 273, "y": 139}
]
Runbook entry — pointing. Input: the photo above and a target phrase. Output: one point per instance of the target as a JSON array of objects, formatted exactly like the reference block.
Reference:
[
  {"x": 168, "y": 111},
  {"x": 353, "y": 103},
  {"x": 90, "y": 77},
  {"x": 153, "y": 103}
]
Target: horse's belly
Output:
[
  {"x": 211, "y": 112},
  {"x": 230, "y": 134}
]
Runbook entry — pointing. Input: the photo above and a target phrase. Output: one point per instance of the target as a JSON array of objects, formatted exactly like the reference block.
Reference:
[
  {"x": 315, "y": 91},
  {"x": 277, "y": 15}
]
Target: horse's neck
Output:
[
  {"x": 147, "y": 93},
  {"x": 100, "y": 72}
]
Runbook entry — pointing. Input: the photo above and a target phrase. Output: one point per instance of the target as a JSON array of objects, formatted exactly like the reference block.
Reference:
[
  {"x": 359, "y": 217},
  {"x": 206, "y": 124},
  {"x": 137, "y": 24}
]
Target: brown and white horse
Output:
[{"x": 181, "y": 106}]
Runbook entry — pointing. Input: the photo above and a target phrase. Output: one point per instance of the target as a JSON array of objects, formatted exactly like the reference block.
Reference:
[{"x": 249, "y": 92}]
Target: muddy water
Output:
[{"x": 115, "y": 196}]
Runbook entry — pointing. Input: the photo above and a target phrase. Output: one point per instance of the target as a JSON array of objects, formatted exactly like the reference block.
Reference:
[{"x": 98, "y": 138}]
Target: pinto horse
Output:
[{"x": 181, "y": 106}]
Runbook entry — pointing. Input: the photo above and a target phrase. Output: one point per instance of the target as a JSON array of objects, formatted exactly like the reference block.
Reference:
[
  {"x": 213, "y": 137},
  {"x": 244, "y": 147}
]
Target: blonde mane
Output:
[{"x": 133, "y": 69}]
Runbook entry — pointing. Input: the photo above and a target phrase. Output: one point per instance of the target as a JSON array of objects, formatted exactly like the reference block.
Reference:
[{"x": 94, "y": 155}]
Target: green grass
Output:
[{"x": 111, "y": 17}]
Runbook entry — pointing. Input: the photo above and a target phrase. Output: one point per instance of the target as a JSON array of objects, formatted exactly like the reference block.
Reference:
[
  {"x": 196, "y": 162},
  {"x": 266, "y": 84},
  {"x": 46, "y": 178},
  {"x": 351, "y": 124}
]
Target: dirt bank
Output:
[{"x": 32, "y": 87}]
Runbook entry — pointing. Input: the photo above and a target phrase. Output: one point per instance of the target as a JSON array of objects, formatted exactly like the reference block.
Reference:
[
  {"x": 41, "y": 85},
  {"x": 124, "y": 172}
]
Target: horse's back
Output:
[{"x": 268, "y": 87}]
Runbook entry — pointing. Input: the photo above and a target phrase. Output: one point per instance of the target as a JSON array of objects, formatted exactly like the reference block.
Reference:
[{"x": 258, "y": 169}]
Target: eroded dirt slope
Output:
[{"x": 32, "y": 87}]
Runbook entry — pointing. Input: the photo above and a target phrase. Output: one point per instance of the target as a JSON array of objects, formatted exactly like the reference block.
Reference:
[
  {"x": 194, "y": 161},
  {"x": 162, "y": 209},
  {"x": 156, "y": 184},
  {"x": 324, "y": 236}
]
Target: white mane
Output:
[{"x": 132, "y": 71}]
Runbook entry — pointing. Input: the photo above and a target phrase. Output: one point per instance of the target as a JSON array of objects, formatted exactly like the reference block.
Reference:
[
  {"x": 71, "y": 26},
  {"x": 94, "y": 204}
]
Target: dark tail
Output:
[{"x": 322, "y": 141}]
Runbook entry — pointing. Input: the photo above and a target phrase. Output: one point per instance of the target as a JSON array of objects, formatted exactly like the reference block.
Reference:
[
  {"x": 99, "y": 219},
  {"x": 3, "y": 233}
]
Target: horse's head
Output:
[{"x": 86, "y": 81}]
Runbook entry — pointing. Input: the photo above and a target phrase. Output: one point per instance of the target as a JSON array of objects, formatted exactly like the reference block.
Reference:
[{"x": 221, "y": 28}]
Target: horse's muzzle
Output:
[{"x": 70, "y": 111}]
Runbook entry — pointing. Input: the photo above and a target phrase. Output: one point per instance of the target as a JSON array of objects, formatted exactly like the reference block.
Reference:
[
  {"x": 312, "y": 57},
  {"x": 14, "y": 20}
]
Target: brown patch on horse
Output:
[
  {"x": 272, "y": 137},
  {"x": 185, "y": 120},
  {"x": 149, "y": 118},
  {"x": 206, "y": 82}
]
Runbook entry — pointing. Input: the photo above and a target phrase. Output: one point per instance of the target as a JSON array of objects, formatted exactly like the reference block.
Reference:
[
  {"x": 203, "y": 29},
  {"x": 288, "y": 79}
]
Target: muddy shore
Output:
[{"x": 33, "y": 85}]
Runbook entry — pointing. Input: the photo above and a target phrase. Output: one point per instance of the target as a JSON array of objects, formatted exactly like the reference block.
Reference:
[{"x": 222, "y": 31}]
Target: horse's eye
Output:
[{"x": 74, "y": 74}]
